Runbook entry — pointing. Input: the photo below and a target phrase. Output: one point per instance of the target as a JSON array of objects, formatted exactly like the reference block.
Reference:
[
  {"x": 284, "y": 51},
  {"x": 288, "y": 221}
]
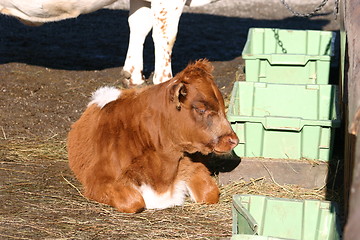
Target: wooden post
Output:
[{"x": 351, "y": 23}]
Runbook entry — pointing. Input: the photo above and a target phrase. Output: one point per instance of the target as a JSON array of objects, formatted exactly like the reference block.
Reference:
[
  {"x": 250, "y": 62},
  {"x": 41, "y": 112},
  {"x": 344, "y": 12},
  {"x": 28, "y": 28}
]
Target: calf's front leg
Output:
[{"x": 202, "y": 187}]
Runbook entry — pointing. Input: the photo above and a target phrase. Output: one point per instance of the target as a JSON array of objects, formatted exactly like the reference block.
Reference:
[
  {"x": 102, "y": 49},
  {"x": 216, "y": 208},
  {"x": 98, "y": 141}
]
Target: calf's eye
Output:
[{"x": 201, "y": 110}]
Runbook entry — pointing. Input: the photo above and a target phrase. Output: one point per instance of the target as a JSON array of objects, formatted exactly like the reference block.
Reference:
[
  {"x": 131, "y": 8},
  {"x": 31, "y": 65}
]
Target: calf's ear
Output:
[{"x": 178, "y": 94}]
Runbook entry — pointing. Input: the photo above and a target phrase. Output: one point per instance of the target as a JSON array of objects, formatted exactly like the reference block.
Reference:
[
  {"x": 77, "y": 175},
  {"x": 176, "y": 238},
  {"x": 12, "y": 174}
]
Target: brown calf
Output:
[{"x": 129, "y": 148}]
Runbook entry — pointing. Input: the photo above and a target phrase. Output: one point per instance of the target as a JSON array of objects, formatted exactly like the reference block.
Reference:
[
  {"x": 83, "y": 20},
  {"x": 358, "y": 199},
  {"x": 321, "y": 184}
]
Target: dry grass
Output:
[{"x": 41, "y": 199}]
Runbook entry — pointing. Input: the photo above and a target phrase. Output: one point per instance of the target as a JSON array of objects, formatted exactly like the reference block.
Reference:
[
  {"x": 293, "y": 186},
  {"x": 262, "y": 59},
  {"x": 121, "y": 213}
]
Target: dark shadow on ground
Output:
[
  {"x": 99, "y": 40},
  {"x": 217, "y": 163}
]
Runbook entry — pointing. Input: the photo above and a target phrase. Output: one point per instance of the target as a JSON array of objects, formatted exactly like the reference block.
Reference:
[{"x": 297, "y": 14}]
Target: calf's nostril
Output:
[{"x": 233, "y": 141}]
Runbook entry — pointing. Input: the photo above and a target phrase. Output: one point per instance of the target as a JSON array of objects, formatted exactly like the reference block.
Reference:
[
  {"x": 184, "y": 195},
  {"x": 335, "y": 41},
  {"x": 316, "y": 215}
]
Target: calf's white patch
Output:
[
  {"x": 154, "y": 200},
  {"x": 104, "y": 95}
]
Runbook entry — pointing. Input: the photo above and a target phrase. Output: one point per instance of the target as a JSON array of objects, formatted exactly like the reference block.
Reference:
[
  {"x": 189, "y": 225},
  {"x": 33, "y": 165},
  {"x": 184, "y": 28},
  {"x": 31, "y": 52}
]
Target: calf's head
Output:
[{"x": 198, "y": 111}]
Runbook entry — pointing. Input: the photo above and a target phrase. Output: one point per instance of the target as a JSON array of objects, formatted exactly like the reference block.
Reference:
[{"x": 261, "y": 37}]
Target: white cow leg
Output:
[
  {"x": 140, "y": 23},
  {"x": 166, "y": 20}
]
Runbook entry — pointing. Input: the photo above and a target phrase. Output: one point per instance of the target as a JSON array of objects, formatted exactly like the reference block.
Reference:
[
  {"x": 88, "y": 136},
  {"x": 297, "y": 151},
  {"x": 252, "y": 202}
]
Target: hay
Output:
[{"x": 42, "y": 199}]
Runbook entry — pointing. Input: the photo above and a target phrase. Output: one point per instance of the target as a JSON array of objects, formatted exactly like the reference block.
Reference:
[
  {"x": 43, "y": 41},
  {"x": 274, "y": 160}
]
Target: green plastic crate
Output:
[
  {"x": 290, "y": 121},
  {"x": 306, "y": 61},
  {"x": 260, "y": 217}
]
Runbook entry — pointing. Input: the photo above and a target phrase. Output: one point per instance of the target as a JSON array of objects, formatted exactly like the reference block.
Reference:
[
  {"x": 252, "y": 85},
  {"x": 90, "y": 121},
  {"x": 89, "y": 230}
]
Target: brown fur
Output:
[{"x": 141, "y": 138}]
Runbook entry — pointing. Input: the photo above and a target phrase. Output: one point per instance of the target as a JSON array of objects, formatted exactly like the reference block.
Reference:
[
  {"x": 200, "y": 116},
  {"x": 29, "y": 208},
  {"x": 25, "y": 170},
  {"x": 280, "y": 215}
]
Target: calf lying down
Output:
[{"x": 130, "y": 148}]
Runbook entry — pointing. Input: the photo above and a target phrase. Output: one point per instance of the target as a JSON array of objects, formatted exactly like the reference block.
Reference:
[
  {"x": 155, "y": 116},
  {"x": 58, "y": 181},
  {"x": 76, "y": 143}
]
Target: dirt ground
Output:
[{"x": 47, "y": 75}]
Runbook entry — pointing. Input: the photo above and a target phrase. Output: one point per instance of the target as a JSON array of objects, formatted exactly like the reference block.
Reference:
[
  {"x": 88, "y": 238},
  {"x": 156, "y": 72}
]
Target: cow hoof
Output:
[
  {"x": 127, "y": 82},
  {"x": 125, "y": 74},
  {"x": 126, "y": 79},
  {"x": 150, "y": 80}
]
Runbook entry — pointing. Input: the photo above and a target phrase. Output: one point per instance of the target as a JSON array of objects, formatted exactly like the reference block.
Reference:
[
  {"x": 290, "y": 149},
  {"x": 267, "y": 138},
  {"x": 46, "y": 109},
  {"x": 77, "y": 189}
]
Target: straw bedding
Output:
[{"x": 41, "y": 199}]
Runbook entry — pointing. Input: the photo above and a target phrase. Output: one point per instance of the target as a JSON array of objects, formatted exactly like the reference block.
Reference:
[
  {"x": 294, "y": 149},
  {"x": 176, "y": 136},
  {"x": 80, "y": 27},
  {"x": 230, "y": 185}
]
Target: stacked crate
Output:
[
  {"x": 264, "y": 218},
  {"x": 286, "y": 108}
]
